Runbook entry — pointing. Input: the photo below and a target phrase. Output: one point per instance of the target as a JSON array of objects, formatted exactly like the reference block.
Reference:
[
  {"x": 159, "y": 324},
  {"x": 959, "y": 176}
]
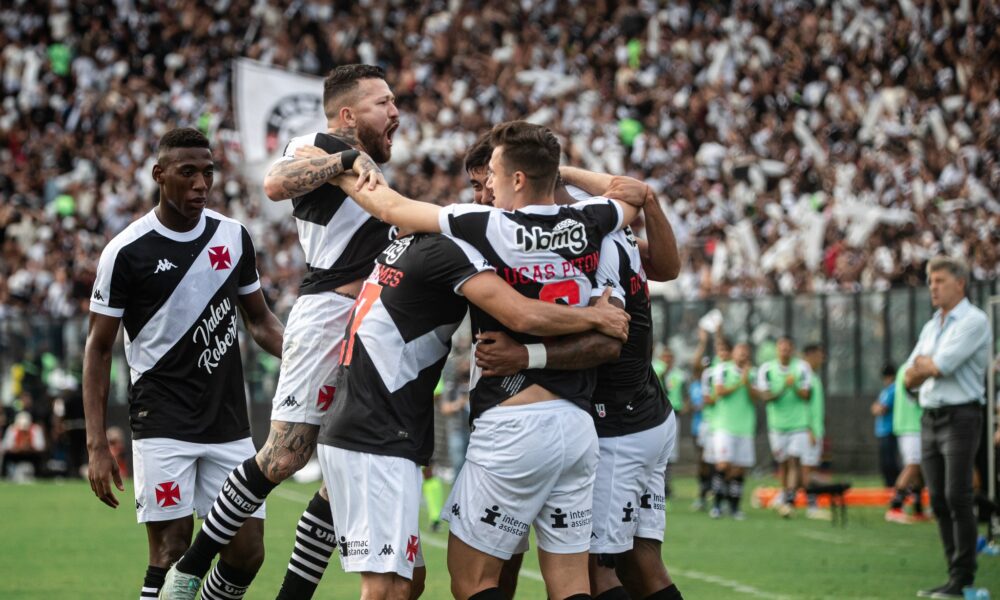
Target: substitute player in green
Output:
[
  {"x": 735, "y": 423},
  {"x": 784, "y": 383},
  {"x": 814, "y": 357},
  {"x": 906, "y": 416},
  {"x": 674, "y": 381}
]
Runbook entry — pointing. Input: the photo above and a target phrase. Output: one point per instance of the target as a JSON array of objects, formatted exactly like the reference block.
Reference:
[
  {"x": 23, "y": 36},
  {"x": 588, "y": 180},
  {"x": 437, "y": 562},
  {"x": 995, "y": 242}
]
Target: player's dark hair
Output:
[
  {"x": 788, "y": 337},
  {"x": 183, "y": 137},
  {"x": 888, "y": 370},
  {"x": 479, "y": 154},
  {"x": 811, "y": 348},
  {"x": 531, "y": 149},
  {"x": 344, "y": 79}
]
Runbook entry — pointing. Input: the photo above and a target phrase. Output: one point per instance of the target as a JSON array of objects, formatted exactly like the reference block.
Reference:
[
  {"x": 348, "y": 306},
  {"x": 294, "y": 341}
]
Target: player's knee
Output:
[
  {"x": 169, "y": 549},
  {"x": 278, "y": 462}
]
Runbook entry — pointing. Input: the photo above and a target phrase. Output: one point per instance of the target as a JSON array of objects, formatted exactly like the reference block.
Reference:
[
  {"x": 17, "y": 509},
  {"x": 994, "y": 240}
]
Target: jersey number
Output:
[
  {"x": 568, "y": 291},
  {"x": 370, "y": 292}
]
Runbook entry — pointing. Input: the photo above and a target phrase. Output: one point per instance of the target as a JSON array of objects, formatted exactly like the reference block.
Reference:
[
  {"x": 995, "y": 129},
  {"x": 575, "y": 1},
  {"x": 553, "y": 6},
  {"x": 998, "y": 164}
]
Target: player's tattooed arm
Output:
[
  {"x": 288, "y": 448},
  {"x": 302, "y": 174}
]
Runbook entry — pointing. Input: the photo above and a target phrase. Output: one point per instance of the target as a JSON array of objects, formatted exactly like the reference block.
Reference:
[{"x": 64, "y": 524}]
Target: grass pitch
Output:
[{"x": 58, "y": 541}]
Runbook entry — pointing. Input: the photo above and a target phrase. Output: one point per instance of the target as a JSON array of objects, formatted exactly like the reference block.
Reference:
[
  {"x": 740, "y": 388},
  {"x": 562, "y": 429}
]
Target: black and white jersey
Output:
[
  {"x": 628, "y": 397},
  {"x": 396, "y": 345},
  {"x": 176, "y": 294},
  {"x": 339, "y": 238},
  {"x": 547, "y": 252}
]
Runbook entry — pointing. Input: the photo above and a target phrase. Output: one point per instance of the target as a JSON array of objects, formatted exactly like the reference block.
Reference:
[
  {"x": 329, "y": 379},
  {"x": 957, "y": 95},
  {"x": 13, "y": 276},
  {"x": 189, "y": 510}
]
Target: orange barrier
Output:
[{"x": 763, "y": 496}]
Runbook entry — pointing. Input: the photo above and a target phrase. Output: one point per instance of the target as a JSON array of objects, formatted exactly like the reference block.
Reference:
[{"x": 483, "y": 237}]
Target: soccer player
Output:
[
  {"x": 735, "y": 424},
  {"x": 674, "y": 381},
  {"x": 340, "y": 242},
  {"x": 380, "y": 429},
  {"x": 178, "y": 279},
  {"x": 784, "y": 384},
  {"x": 533, "y": 452},
  {"x": 811, "y": 458},
  {"x": 706, "y": 431},
  {"x": 906, "y": 415},
  {"x": 634, "y": 419}
]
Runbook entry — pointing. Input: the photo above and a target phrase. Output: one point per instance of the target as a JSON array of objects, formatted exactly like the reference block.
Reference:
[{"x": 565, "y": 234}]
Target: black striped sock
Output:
[
  {"x": 735, "y": 492},
  {"x": 717, "y": 484},
  {"x": 241, "y": 495},
  {"x": 152, "y": 583},
  {"x": 226, "y": 582},
  {"x": 314, "y": 544}
]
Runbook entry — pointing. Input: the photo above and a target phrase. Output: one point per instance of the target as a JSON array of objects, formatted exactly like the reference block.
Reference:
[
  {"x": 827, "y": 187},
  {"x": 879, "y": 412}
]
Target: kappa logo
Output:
[
  {"x": 601, "y": 412},
  {"x": 411, "y": 548},
  {"x": 567, "y": 235},
  {"x": 386, "y": 550},
  {"x": 325, "y": 397},
  {"x": 628, "y": 510},
  {"x": 98, "y": 296},
  {"x": 456, "y": 510},
  {"x": 559, "y": 519},
  {"x": 164, "y": 265},
  {"x": 491, "y": 516},
  {"x": 167, "y": 494},
  {"x": 219, "y": 257},
  {"x": 288, "y": 402},
  {"x": 138, "y": 505}
]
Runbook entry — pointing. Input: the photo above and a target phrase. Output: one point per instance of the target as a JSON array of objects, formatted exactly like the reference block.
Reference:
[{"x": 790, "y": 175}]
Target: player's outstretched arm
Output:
[
  {"x": 389, "y": 206},
  {"x": 520, "y": 313},
  {"x": 264, "y": 327},
  {"x": 620, "y": 189},
  {"x": 659, "y": 253},
  {"x": 293, "y": 177},
  {"x": 103, "y": 468}
]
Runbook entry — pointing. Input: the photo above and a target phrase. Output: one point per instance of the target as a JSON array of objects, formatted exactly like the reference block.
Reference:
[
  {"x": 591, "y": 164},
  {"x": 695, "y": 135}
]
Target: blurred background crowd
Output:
[{"x": 800, "y": 146}]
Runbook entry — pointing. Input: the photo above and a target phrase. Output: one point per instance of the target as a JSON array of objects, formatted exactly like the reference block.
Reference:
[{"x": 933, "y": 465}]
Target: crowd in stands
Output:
[{"x": 800, "y": 146}]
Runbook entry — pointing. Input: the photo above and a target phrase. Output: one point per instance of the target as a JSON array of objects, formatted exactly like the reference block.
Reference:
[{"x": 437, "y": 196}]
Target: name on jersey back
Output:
[{"x": 544, "y": 272}]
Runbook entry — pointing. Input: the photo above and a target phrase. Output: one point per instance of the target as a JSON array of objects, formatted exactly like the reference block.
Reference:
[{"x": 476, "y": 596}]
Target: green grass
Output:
[{"x": 59, "y": 542}]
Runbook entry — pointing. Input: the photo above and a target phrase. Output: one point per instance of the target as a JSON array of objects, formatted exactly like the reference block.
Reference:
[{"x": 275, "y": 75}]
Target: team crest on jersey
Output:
[
  {"x": 630, "y": 236},
  {"x": 396, "y": 249},
  {"x": 168, "y": 493},
  {"x": 219, "y": 257},
  {"x": 567, "y": 235}
]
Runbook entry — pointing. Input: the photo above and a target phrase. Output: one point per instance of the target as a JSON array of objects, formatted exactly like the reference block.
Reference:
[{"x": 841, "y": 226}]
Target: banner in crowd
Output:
[{"x": 272, "y": 106}]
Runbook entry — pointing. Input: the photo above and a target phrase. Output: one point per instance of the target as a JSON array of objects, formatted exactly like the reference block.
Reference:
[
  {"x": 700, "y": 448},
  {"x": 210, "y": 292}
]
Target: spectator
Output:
[{"x": 23, "y": 444}]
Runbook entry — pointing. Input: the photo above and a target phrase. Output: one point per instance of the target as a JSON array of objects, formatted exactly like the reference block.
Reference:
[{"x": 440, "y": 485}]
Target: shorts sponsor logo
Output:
[
  {"x": 411, "y": 548},
  {"x": 491, "y": 516},
  {"x": 559, "y": 519},
  {"x": 219, "y": 257},
  {"x": 325, "y": 397},
  {"x": 644, "y": 500},
  {"x": 353, "y": 547},
  {"x": 628, "y": 510},
  {"x": 579, "y": 518},
  {"x": 168, "y": 494},
  {"x": 568, "y": 234},
  {"x": 386, "y": 550},
  {"x": 288, "y": 402}
]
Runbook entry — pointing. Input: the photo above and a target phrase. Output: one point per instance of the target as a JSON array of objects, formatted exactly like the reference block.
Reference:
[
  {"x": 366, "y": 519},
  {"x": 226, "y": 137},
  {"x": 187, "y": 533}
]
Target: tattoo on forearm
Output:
[
  {"x": 289, "y": 447},
  {"x": 300, "y": 176}
]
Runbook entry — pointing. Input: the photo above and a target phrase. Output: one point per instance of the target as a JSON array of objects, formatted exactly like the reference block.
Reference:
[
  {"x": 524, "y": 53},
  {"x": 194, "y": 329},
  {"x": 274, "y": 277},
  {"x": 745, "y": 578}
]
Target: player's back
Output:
[
  {"x": 397, "y": 342},
  {"x": 547, "y": 252},
  {"x": 340, "y": 240},
  {"x": 177, "y": 295},
  {"x": 628, "y": 397}
]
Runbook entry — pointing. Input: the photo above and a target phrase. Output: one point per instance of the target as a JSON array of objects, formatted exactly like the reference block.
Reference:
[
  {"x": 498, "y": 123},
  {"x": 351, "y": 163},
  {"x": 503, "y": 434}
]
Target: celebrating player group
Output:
[{"x": 571, "y": 429}]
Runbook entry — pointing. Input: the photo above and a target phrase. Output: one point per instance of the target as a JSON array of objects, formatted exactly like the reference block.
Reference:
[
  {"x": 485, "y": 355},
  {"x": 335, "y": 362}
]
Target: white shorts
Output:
[
  {"x": 909, "y": 448},
  {"x": 375, "y": 501},
  {"x": 526, "y": 465},
  {"x": 705, "y": 441},
  {"x": 733, "y": 449},
  {"x": 813, "y": 454},
  {"x": 310, "y": 354},
  {"x": 175, "y": 478},
  {"x": 627, "y": 468},
  {"x": 788, "y": 444}
]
